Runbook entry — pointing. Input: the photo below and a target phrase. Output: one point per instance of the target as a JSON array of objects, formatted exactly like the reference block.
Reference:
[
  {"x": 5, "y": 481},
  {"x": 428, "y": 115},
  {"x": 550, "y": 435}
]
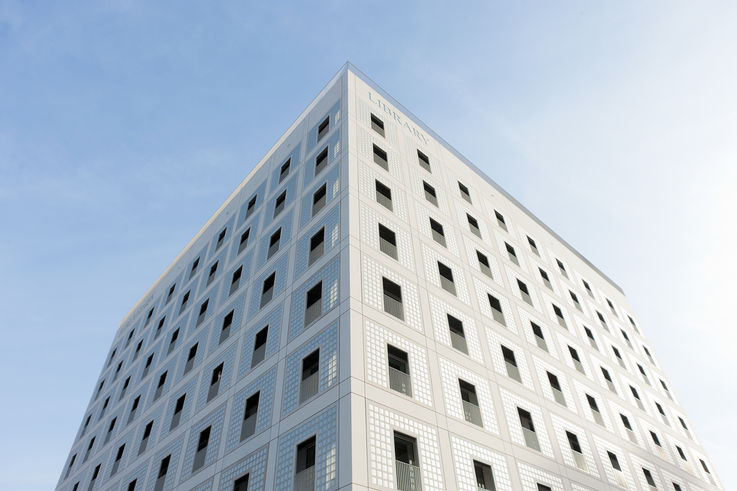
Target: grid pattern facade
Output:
[{"x": 367, "y": 291}]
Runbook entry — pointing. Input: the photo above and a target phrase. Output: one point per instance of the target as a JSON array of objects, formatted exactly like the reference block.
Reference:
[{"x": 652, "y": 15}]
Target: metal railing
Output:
[
  {"x": 384, "y": 201},
  {"x": 313, "y": 312},
  {"x": 580, "y": 461},
  {"x": 258, "y": 355},
  {"x": 513, "y": 372},
  {"x": 400, "y": 381},
  {"x": 249, "y": 426},
  {"x": 408, "y": 477},
  {"x": 559, "y": 398},
  {"x": 308, "y": 387},
  {"x": 438, "y": 237},
  {"x": 393, "y": 307},
  {"x": 387, "y": 248},
  {"x": 304, "y": 480},
  {"x": 458, "y": 342},
  {"x": 447, "y": 285},
  {"x": 498, "y": 316},
  {"x": 472, "y": 413}
]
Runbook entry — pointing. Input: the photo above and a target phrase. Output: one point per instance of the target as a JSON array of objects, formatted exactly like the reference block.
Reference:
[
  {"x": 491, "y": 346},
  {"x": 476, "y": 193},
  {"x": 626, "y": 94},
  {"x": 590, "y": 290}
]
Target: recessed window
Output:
[
  {"x": 203, "y": 311},
  {"x": 543, "y": 487},
  {"x": 446, "y": 278},
  {"x": 310, "y": 377},
  {"x": 201, "y": 453},
  {"x": 323, "y": 128},
  {"x": 185, "y": 300},
  {"x": 407, "y": 463},
  {"x": 317, "y": 246},
  {"x": 125, "y": 387},
  {"x": 221, "y": 238},
  {"x": 69, "y": 467},
  {"x": 131, "y": 485},
  {"x": 387, "y": 241},
  {"x": 313, "y": 303},
  {"x": 636, "y": 395},
  {"x": 163, "y": 471},
  {"x": 178, "y": 408},
  {"x": 217, "y": 374},
  {"x": 533, "y": 245},
  {"x": 241, "y": 484},
  {"x": 190, "y": 358},
  {"x": 304, "y": 472},
  {"x": 147, "y": 366},
  {"x": 250, "y": 415},
  {"x": 173, "y": 341},
  {"x": 545, "y": 278},
  {"x": 595, "y": 413},
  {"x": 438, "y": 234},
  {"x": 608, "y": 379},
  {"x": 511, "y": 364},
  {"x": 576, "y": 451},
  {"x": 574, "y": 297},
  {"x": 171, "y": 292},
  {"x": 259, "y": 346},
  {"x": 274, "y": 242},
  {"x": 465, "y": 193},
  {"x": 528, "y": 429},
  {"x": 193, "y": 269},
  {"x": 648, "y": 477},
  {"x": 225, "y": 329},
  {"x": 118, "y": 458},
  {"x": 539, "y": 338},
  {"x": 148, "y": 317},
  {"x": 559, "y": 316},
  {"x": 244, "y": 240},
  {"x": 626, "y": 337},
  {"x": 284, "y": 171},
  {"x": 211, "y": 274},
  {"x": 500, "y": 220},
  {"x": 473, "y": 225},
  {"x": 484, "y": 476},
  {"x": 611, "y": 307},
  {"x": 145, "y": 437},
  {"x": 556, "y": 388},
  {"x": 399, "y": 376},
  {"x": 484, "y": 264},
  {"x": 457, "y": 334},
  {"x": 235, "y": 280},
  {"x": 321, "y": 161},
  {"x": 471, "y": 409},
  {"x": 89, "y": 449},
  {"x": 384, "y": 195},
  {"x": 496, "y": 309},
  {"x": 110, "y": 429},
  {"x": 380, "y": 157},
  {"x": 576, "y": 359},
  {"x": 562, "y": 268},
  {"x": 430, "y": 193},
  {"x": 424, "y": 161},
  {"x": 524, "y": 292},
  {"x": 251, "y": 207},
  {"x": 655, "y": 438},
  {"x": 134, "y": 409},
  {"x": 614, "y": 461},
  {"x": 377, "y": 124},
  {"x": 588, "y": 288},
  {"x": 392, "y": 298},
  {"x": 319, "y": 199},
  {"x": 280, "y": 203},
  {"x": 160, "y": 325}
]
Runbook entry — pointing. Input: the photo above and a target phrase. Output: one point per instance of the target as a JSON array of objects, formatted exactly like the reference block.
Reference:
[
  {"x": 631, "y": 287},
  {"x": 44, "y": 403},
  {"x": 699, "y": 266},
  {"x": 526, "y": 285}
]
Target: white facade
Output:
[{"x": 368, "y": 311}]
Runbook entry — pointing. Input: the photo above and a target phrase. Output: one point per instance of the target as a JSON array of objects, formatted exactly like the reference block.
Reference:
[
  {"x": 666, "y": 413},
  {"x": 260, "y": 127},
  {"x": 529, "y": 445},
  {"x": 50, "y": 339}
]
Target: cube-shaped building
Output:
[{"x": 368, "y": 310}]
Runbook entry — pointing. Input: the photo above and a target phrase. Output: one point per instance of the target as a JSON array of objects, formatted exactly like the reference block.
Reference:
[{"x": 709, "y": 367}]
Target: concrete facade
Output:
[{"x": 369, "y": 311}]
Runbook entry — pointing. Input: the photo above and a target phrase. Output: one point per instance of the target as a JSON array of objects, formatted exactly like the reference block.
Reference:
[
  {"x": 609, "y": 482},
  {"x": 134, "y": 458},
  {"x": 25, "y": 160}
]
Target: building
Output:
[{"x": 367, "y": 310}]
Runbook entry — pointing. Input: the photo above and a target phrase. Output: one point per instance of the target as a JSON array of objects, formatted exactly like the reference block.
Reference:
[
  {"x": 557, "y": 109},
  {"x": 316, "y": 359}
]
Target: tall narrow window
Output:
[
  {"x": 649, "y": 477},
  {"x": 457, "y": 334},
  {"x": 595, "y": 413},
  {"x": 201, "y": 454},
  {"x": 380, "y": 157},
  {"x": 241, "y": 484},
  {"x": 221, "y": 238},
  {"x": 392, "y": 298},
  {"x": 407, "y": 463},
  {"x": 304, "y": 477},
  {"x": 118, "y": 458},
  {"x": 217, "y": 374},
  {"x": 424, "y": 161},
  {"x": 533, "y": 245},
  {"x": 134, "y": 409},
  {"x": 284, "y": 170},
  {"x": 211, "y": 274},
  {"x": 173, "y": 341},
  {"x": 250, "y": 415},
  {"x": 235, "y": 280},
  {"x": 110, "y": 429},
  {"x": 321, "y": 161},
  {"x": 576, "y": 359},
  {"x": 465, "y": 193},
  {"x": 484, "y": 264},
  {"x": 243, "y": 243},
  {"x": 539, "y": 338},
  {"x": 592, "y": 340},
  {"x": 145, "y": 437},
  {"x": 576, "y": 303},
  {"x": 178, "y": 408},
  {"x": 524, "y": 292},
  {"x": 473, "y": 225},
  {"x": 399, "y": 376},
  {"x": 163, "y": 471},
  {"x": 556, "y": 388},
  {"x": 588, "y": 288},
  {"x": 470, "y": 401},
  {"x": 484, "y": 476},
  {"x": 608, "y": 379},
  {"x": 559, "y": 316},
  {"x": 274, "y": 242},
  {"x": 317, "y": 246},
  {"x": 377, "y": 124},
  {"x": 438, "y": 234},
  {"x": 160, "y": 385},
  {"x": 225, "y": 329},
  {"x": 545, "y": 278},
  {"x": 323, "y": 128},
  {"x": 93, "y": 480},
  {"x": 89, "y": 449},
  {"x": 185, "y": 300},
  {"x": 171, "y": 292},
  {"x": 259, "y": 346},
  {"x": 267, "y": 290},
  {"x": 71, "y": 464},
  {"x": 319, "y": 199},
  {"x": 511, "y": 364},
  {"x": 193, "y": 269},
  {"x": 203, "y": 311},
  {"x": 310, "y": 378},
  {"x": 190, "y": 358},
  {"x": 313, "y": 303},
  {"x": 430, "y": 194},
  {"x": 147, "y": 366},
  {"x": 496, "y": 309},
  {"x": 638, "y": 401},
  {"x": 562, "y": 268},
  {"x": 500, "y": 220},
  {"x": 576, "y": 452},
  {"x": 614, "y": 461},
  {"x": 446, "y": 278},
  {"x": 528, "y": 429},
  {"x": 251, "y": 207},
  {"x": 388, "y": 241},
  {"x": 384, "y": 195}
]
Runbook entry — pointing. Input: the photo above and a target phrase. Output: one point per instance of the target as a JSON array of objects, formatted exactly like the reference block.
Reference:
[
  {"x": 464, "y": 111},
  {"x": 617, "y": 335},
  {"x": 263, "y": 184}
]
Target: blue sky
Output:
[{"x": 125, "y": 124}]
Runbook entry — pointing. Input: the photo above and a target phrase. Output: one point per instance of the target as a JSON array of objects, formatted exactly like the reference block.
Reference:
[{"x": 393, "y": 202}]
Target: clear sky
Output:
[{"x": 125, "y": 124}]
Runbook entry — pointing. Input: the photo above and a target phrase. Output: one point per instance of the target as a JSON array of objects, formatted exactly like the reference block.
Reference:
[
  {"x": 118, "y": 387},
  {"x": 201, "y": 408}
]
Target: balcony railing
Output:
[
  {"x": 258, "y": 355},
  {"x": 458, "y": 342},
  {"x": 472, "y": 413},
  {"x": 559, "y": 398},
  {"x": 313, "y": 312},
  {"x": 408, "y": 477},
  {"x": 513, "y": 372},
  {"x": 580, "y": 461},
  {"x": 393, "y": 307},
  {"x": 308, "y": 387},
  {"x": 249, "y": 427},
  {"x": 304, "y": 480},
  {"x": 388, "y": 248},
  {"x": 531, "y": 439},
  {"x": 400, "y": 381},
  {"x": 447, "y": 285}
]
